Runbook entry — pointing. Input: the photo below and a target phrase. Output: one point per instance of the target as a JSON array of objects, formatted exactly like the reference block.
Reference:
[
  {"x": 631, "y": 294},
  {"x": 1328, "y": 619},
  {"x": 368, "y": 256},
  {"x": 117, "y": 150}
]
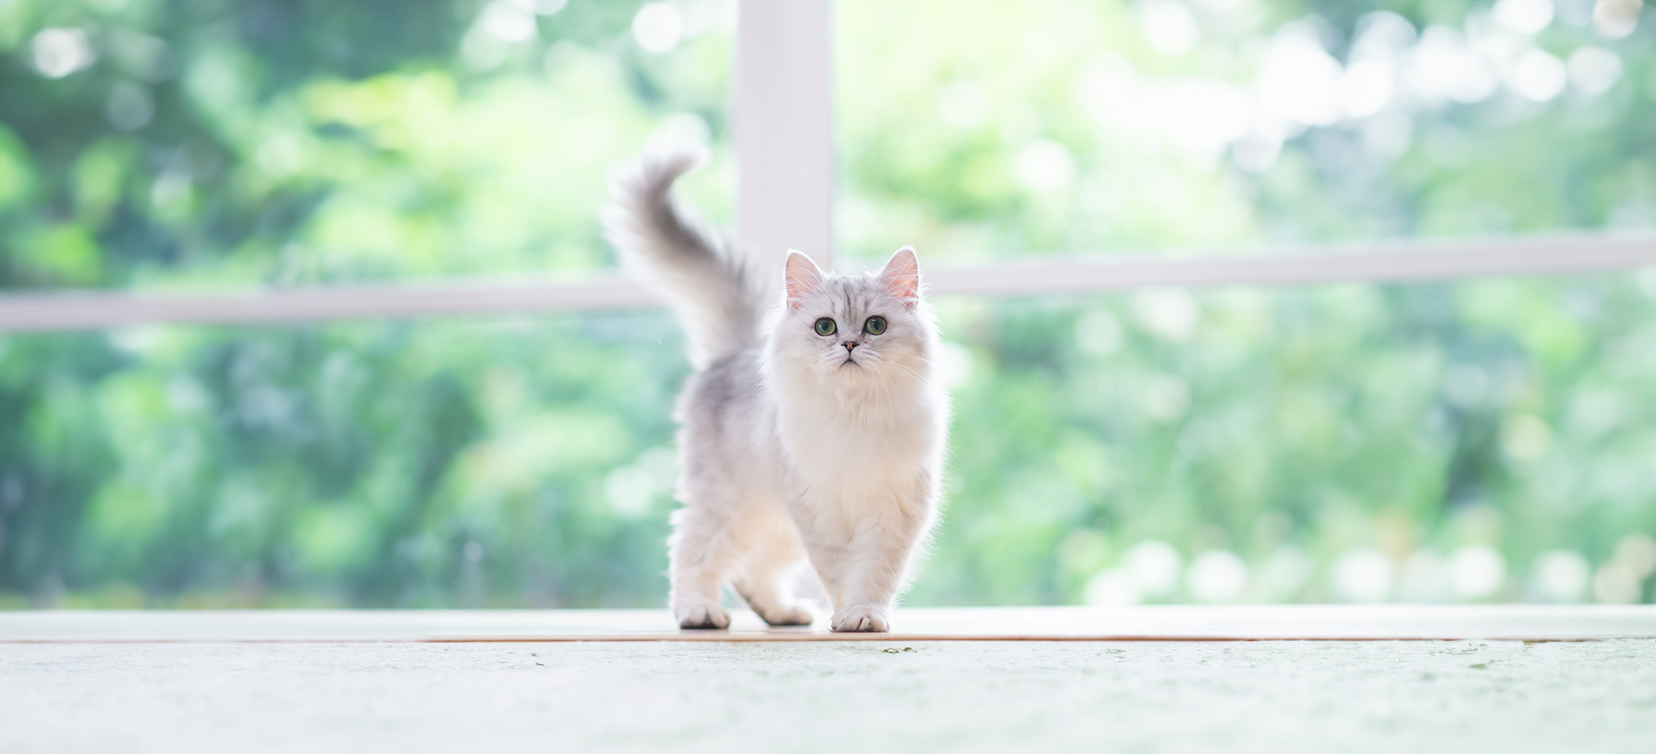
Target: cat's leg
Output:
[
  {"x": 861, "y": 566},
  {"x": 873, "y": 564},
  {"x": 825, "y": 545},
  {"x": 773, "y": 556},
  {"x": 701, "y": 553},
  {"x": 878, "y": 559}
]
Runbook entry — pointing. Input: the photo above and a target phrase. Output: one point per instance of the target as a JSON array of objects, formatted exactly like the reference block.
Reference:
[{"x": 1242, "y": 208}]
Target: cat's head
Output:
[{"x": 850, "y": 329}]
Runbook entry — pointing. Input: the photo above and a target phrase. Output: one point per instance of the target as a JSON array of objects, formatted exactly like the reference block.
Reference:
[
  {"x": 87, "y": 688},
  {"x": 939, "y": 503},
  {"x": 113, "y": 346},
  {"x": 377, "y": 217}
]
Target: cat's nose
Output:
[{"x": 850, "y": 344}]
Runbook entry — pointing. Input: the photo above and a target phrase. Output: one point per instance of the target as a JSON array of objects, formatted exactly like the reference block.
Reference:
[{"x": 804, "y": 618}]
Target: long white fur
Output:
[{"x": 797, "y": 453}]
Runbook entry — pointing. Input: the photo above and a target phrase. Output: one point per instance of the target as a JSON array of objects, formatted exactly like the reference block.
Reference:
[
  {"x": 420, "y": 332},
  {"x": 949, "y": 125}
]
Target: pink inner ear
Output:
[
  {"x": 801, "y": 278},
  {"x": 902, "y": 276}
]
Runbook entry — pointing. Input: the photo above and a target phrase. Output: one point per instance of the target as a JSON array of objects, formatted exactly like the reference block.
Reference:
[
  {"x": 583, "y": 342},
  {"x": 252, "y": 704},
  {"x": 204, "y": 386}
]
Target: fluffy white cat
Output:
[{"x": 813, "y": 428}]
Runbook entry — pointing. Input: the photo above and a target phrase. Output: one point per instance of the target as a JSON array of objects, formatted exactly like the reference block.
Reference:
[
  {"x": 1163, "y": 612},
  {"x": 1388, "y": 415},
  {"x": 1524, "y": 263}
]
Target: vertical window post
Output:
[{"x": 782, "y": 130}]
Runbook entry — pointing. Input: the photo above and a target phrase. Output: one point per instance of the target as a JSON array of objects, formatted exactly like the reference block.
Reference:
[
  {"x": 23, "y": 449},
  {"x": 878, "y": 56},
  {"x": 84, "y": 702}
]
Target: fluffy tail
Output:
[{"x": 709, "y": 284}]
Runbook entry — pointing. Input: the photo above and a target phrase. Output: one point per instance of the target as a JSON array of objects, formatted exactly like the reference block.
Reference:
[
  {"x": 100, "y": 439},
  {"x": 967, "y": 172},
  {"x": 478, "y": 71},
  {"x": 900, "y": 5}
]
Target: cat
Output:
[{"x": 813, "y": 427}]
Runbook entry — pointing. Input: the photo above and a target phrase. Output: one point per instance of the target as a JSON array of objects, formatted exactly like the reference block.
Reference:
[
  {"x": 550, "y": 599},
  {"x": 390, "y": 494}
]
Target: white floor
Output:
[
  {"x": 809, "y": 697},
  {"x": 107, "y": 686}
]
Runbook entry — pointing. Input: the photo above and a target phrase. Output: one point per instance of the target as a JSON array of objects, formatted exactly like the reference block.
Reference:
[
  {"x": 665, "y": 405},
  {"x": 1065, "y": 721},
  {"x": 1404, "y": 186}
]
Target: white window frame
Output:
[{"x": 784, "y": 141}]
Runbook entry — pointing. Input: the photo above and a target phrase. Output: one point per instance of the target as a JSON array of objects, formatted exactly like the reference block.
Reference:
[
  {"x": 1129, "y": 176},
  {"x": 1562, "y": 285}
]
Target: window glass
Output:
[
  {"x": 431, "y": 463},
  {"x": 1105, "y": 127},
  {"x": 1476, "y": 441},
  {"x": 172, "y": 143},
  {"x": 1486, "y": 440}
]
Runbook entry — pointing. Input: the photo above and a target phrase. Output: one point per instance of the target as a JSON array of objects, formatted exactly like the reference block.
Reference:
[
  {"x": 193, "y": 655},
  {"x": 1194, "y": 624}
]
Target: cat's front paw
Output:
[
  {"x": 860, "y": 618},
  {"x": 703, "y": 615}
]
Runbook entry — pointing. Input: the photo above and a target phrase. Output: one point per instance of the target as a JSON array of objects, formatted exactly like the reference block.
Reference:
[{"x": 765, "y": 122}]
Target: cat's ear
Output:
[
  {"x": 901, "y": 276},
  {"x": 802, "y": 278}
]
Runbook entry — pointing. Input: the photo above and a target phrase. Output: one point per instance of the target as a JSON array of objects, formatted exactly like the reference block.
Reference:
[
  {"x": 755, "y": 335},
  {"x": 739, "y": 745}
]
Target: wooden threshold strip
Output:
[{"x": 1184, "y": 623}]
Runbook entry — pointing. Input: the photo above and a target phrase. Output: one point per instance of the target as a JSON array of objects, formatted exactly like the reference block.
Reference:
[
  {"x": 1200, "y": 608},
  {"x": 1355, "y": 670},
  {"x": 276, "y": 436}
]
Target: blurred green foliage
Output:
[
  {"x": 431, "y": 463},
  {"x": 1300, "y": 427},
  {"x": 286, "y": 143},
  {"x": 987, "y": 129},
  {"x": 1483, "y": 440}
]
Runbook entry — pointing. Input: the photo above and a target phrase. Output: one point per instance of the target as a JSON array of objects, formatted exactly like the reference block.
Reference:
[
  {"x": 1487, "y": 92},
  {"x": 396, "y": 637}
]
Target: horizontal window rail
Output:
[
  {"x": 88, "y": 310},
  {"x": 1370, "y": 263},
  {"x": 1389, "y": 262}
]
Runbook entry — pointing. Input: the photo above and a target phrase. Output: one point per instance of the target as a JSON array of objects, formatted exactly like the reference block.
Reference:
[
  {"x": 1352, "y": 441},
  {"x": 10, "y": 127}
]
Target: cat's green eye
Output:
[
  {"x": 874, "y": 325},
  {"x": 825, "y": 326}
]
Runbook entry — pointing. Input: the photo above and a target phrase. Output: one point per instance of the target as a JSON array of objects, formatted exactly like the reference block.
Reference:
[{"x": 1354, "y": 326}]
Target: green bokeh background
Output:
[{"x": 528, "y": 461}]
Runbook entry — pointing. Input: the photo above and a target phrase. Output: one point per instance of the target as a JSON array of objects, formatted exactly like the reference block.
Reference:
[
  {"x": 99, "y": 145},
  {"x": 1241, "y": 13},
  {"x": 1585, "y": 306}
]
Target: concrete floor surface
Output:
[{"x": 1274, "y": 696}]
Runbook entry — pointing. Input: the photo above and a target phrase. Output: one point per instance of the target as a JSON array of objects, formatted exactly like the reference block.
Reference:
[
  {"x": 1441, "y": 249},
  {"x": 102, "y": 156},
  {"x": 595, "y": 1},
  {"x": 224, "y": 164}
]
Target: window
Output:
[{"x": 217, "y": 221}]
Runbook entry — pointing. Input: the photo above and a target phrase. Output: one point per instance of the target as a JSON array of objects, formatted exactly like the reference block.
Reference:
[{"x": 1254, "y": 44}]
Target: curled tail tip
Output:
[
  {"x": 654, "y": 171},
  {"x": 638, "y": 189}
]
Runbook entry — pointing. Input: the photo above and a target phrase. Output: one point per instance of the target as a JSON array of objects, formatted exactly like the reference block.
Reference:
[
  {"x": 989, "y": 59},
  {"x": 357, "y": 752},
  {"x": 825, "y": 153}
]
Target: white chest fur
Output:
[{"x": 860, "y": 455}]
